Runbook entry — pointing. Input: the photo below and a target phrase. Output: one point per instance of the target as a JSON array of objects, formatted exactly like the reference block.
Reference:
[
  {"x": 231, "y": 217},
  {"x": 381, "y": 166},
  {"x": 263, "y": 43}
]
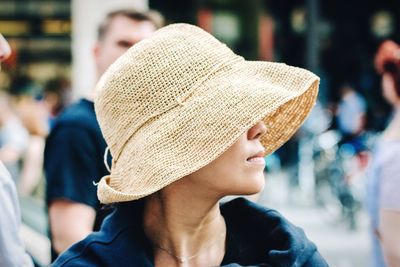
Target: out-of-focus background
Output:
[{"x": 317, "y": 179}]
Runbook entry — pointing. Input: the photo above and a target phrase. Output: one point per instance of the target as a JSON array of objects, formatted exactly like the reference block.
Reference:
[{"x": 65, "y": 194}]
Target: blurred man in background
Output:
[
  {"x": 27, "y": 104},
  {"x": 351, "y": 113},
  {"x": 75, "y": 148},
  {"x": 14, "y": 138},
  {"x": 12, "y": 251}
]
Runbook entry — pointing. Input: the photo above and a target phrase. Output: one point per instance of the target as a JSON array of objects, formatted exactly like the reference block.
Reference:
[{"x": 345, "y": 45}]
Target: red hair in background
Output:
[{"x": 387, "y": 61}]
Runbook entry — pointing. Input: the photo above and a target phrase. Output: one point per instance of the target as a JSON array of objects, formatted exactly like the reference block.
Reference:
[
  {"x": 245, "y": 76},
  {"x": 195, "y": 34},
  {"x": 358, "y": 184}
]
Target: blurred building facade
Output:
[
  {"x": 54, "y": 38},
  {"x": 40, "y": 36}
]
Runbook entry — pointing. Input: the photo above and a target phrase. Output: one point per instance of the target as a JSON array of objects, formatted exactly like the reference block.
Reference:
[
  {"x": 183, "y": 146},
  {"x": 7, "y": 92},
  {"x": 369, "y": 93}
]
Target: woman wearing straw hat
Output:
[{"x": 188, "y": 122}]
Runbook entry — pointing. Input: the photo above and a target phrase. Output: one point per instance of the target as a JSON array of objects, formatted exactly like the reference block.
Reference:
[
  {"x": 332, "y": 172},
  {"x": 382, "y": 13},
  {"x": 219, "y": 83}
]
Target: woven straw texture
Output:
[{"x": 176, "y": 101}]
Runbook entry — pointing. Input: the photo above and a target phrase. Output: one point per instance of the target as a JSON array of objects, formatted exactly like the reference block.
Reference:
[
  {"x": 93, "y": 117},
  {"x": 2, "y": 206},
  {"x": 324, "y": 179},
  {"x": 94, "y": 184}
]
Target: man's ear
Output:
[{"x": 96, "y": 51}]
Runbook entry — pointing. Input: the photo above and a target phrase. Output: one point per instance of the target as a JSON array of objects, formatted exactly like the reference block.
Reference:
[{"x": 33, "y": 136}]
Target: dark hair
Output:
[
  {"x": 23, "y": 85},
  {"x": 60, "y": 87},
  {"x": 151, "y": 16},
  {"x": 387, "y": 61}
]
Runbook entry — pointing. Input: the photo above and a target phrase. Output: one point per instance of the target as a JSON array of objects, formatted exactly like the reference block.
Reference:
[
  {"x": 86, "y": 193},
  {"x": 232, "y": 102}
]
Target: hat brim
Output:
[{"x": 226, "y": 107}]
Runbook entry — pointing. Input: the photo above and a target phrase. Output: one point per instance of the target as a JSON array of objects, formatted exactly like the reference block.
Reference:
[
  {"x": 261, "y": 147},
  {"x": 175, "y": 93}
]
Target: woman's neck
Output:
[{"x": 184, "y": 227}]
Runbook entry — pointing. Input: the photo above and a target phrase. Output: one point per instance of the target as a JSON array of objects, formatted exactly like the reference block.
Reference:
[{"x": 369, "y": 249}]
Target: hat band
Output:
[{"x": 105, "y": 159}]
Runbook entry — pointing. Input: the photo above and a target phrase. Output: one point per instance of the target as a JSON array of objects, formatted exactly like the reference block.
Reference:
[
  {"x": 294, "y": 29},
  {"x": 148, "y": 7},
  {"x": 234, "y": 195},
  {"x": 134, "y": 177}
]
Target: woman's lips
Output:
[{"x": 256, "y": 160}]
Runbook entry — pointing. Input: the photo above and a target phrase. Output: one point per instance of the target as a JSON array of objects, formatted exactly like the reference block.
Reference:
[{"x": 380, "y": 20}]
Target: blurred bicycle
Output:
[{"x": 339, "y": 170}]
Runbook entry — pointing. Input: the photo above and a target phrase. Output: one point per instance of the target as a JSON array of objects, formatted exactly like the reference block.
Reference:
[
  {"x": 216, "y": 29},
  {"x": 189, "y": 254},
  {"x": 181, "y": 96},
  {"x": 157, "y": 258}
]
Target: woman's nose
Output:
[{"x": 257, "y": 131}]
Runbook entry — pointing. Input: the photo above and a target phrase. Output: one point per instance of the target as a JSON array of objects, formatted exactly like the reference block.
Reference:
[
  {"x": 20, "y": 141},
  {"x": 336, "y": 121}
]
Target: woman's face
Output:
[
  {"x": 389, "y": 91},
  {"x": 238, "y": 171}
]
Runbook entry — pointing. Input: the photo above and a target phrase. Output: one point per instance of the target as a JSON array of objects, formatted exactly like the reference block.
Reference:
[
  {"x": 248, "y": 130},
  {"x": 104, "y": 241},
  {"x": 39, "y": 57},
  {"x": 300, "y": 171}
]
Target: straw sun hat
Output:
[{"x": 176, "y": 101}]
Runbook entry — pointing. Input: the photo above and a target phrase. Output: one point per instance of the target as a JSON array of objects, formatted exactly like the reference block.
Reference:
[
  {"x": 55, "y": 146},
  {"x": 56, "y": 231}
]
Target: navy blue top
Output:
[
  {"x": 73, "y": 158},
  {"x": 256, "y": 236}
]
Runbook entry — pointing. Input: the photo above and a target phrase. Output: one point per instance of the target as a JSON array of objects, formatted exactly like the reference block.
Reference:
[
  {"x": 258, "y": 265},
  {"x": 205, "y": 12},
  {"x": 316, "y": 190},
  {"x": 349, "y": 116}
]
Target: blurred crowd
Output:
[{"x": 27, "y": 112}]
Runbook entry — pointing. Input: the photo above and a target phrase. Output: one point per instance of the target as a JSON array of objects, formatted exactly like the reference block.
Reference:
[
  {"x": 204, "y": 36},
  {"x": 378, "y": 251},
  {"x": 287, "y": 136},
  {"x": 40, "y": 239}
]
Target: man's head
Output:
[
  {"x": 119, "y": 31},
  {"x": 346, "y": 89}
]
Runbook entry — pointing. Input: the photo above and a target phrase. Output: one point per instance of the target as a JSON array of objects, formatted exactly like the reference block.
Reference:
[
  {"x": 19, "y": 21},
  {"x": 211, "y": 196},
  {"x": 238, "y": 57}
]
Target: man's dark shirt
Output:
[{"x": 73, "y": 159}]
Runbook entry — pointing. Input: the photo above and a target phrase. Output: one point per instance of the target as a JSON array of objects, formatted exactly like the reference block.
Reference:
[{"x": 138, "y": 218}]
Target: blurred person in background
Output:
[
  {"x": 351, "y": 114},
  {"x": 14, "y": 138},
  {"x": 27, "y": 102},
  {"x": 56, "y": 96},
  {"x": 12, "y": 250},
  {"x": 30, "y": 108},
  {"x": 383, "y": 185},
  {"x": 75, "y": 147}
]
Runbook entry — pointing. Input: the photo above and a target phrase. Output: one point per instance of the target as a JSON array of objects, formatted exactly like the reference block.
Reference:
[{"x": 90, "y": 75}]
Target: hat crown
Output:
[{"x": 154, "y": 76}]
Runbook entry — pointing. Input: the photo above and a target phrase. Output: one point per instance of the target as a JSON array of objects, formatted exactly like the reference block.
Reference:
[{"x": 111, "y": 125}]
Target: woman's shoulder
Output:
[
  {"x": 243, "y": 216},
  {"x": 267, "y": 235}
]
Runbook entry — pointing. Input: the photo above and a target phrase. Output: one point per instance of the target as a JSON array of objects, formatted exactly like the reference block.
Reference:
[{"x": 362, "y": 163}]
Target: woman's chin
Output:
[{"x": 252, "y": 186}]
